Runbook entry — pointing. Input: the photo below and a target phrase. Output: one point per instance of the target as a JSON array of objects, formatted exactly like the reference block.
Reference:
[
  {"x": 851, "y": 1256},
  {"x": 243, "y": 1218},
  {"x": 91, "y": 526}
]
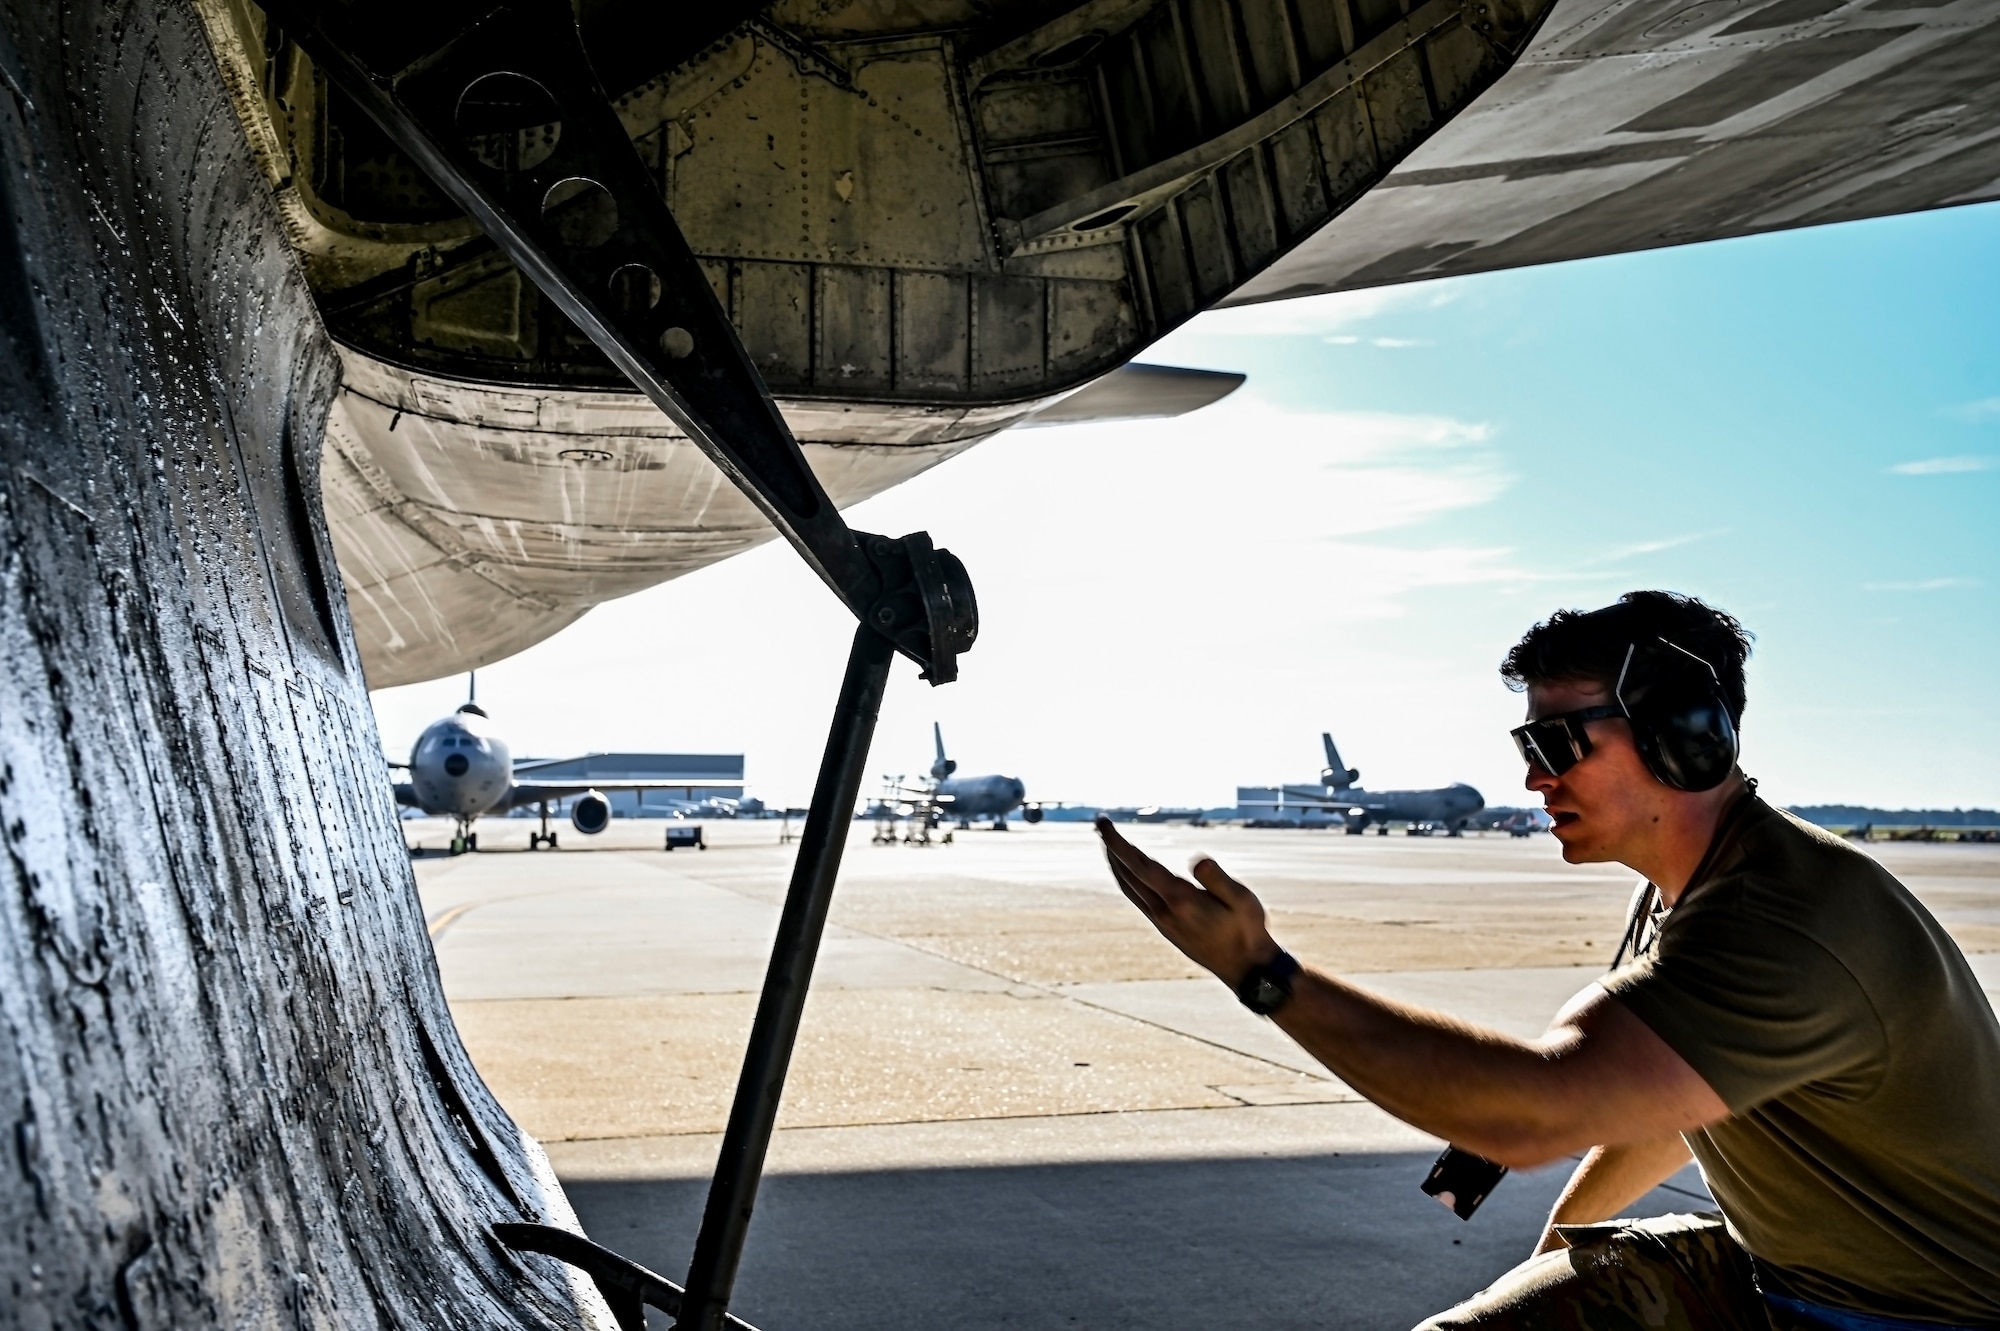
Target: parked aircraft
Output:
[
  {"x": 1339, "y": 795},
  {"x": 968, "y": 797},
  {"x": 963, "y": 798},
  {"x": 461, "y": 769},
  {"x": 1514, "y": 822}
]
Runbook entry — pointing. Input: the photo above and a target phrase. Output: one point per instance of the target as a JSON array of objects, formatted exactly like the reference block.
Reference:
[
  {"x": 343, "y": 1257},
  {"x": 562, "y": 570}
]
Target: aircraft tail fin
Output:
[
  {"x": 944, "y": 766},
  {"x": 1337, "y": 774}
]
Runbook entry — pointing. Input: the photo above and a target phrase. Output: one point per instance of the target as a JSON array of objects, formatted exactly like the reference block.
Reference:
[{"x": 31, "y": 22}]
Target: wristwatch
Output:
[{"x": 1269, "y": 986}]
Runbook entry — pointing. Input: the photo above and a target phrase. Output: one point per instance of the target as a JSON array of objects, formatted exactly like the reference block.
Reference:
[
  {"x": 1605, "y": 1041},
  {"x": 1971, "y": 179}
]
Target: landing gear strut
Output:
[
  {"x": 536, "y": 840},
  {"x": 466, "y": 839}
]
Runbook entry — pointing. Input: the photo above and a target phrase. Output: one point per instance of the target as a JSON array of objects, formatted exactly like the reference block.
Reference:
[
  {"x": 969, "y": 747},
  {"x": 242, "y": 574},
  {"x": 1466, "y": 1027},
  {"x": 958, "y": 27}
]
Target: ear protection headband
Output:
[{"x": 1679, "y": 719}]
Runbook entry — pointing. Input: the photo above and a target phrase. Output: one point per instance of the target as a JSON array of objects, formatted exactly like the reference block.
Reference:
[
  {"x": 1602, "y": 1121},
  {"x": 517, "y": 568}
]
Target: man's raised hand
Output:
[{"x": 1215, "y": 920}]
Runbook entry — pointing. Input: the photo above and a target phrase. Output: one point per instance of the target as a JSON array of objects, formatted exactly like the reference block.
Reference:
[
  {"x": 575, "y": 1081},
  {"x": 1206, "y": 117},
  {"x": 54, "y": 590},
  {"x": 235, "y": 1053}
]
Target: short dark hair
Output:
[{"x": 1588, "y": 646}]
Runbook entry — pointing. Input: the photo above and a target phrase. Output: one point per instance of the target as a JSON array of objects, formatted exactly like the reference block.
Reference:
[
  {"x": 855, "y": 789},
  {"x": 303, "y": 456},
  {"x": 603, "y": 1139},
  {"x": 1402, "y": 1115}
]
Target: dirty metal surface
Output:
[
  {"x": 935, "y": 202},
  {"x": 230, "y": 1089},
  {"x": 1633, "y": 124},
  {"x": 923, "y": 220},
  {"x": 470, "y": 522}
]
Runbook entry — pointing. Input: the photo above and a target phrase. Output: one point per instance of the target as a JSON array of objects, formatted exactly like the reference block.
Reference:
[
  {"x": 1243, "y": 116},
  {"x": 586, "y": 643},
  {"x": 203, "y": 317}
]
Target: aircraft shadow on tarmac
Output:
[{"x": 1317, "y": 1241}]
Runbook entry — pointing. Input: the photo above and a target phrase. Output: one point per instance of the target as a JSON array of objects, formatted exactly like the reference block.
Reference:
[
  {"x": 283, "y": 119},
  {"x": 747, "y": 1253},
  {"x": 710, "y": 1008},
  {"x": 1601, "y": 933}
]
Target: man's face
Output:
[{"x": 1608, "y": 806}]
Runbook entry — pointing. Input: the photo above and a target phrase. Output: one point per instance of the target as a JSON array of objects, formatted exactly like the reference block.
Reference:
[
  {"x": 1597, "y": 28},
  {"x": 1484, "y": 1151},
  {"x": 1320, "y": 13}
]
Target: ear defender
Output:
[{"x": 1680, "y": 722}]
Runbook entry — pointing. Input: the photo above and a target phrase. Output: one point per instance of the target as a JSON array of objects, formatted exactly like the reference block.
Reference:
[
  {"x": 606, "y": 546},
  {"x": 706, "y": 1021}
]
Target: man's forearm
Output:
[
  {"x": 1610, "y": 1179},
  {"x": 1517, "y": 1101},
  {"x": 1467, "y": 1085}
]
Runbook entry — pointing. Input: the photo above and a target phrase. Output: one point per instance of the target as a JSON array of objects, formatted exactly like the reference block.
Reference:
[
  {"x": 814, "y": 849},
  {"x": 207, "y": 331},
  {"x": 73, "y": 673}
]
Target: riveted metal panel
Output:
[
  {"x": 1301, "y": 193},
  {"x": 1323, "y": 37},
  {"x": 1129, "y": 109},
  {"x": 1165, "y": 253},
  {"x": 933, "y": 332},
  {"x": 1211, "y": 27},
  {"x": 856, "y": 141},
  {"x": 1208, "y": 238},
  {"x": 717, "y": 273},
  {"x": 483, "y": 308},
  {"x": 1460, "y": 59},
  {"x": 1252, "y": 217},
  {"x": 1177, "y": 115},
  {"x": 1086, "y": 321},
  {"x": 1399, "y": 106},
  {"x": 1025, "y": 185},
  {"x": 774, "y": 313},
  {"x": 1347, "y": 146},
  {"x": 855, "y": 331},
  {"x": 1010, "y": 332},
  {"x": 1032, "y": 110},
  {"x": 1268, "y": 43},
  {"x": 1372, "y": 16},
  {"x": 886, "y": 170}
]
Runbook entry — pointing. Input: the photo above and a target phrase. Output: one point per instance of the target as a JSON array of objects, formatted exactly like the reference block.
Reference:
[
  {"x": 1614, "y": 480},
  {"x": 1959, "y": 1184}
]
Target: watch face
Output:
[{"x": 1268, "y": 995}]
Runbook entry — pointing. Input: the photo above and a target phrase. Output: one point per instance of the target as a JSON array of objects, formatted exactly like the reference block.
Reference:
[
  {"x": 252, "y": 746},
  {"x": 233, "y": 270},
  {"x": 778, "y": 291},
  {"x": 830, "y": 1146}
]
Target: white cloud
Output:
[
  {"x": 1620, "y": 553},
  {"x": 1944, "y": 466},
  {"x": 1985, "y": 409},
  {"x": 1309, "y": 315},
  {"x": 1920, "y": 585}
]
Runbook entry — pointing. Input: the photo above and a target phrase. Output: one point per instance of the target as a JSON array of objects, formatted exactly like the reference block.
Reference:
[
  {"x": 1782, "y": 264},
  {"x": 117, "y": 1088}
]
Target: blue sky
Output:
[{"x": 1804, "y": 428}]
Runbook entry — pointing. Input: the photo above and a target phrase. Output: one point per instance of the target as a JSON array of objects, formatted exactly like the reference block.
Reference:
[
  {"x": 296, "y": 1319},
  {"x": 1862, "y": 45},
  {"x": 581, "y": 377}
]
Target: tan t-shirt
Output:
[{"x": 1860, "y": 1060}]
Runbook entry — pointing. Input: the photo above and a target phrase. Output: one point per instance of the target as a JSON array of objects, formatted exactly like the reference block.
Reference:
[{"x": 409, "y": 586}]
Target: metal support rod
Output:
[{"x": 733, "y": 1192}]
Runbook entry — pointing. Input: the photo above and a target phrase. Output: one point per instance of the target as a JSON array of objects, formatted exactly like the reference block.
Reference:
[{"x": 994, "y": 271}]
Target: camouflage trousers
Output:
[{"x": 1675, "y": 1273}]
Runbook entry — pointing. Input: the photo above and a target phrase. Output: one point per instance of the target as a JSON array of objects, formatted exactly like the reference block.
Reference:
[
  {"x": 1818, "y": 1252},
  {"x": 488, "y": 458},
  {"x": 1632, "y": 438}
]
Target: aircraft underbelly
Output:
[
  {"x": 1632, "y": 124},
  {"x": 980, "y": 210},
  {"x": 471, "y": 521}
]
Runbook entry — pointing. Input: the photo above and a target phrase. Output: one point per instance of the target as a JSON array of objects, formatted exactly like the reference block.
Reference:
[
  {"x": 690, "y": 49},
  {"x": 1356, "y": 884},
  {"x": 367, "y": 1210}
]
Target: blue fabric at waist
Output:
[{"x": 1844, "y": 1319}]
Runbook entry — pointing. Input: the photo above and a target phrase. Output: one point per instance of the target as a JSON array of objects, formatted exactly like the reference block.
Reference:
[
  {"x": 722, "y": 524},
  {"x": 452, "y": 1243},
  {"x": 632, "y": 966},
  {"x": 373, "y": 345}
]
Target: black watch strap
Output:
[{"x": 1267, "y": 987}]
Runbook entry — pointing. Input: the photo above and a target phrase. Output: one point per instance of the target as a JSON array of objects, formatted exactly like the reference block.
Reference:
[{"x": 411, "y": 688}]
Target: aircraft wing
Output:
[
  {"x": 536, "y": 792},
  {"x": 1137, "y": 392},
  {"x": 1318, "y": 797}
]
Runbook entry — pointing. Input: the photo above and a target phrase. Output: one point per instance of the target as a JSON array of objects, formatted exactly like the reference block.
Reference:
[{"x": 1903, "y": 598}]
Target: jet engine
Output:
[
  {"x": 1031, "y": 813},
  {"x": 591, "y": 813}
]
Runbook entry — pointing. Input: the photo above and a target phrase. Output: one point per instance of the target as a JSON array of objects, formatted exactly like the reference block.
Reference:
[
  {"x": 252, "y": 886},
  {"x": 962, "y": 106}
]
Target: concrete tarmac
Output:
[{"x": 1013, "y": 1105}]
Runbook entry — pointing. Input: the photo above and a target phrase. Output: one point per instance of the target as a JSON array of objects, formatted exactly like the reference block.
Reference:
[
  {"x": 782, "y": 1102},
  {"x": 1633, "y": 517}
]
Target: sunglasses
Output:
[{"x": 1557, "y": 743}]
